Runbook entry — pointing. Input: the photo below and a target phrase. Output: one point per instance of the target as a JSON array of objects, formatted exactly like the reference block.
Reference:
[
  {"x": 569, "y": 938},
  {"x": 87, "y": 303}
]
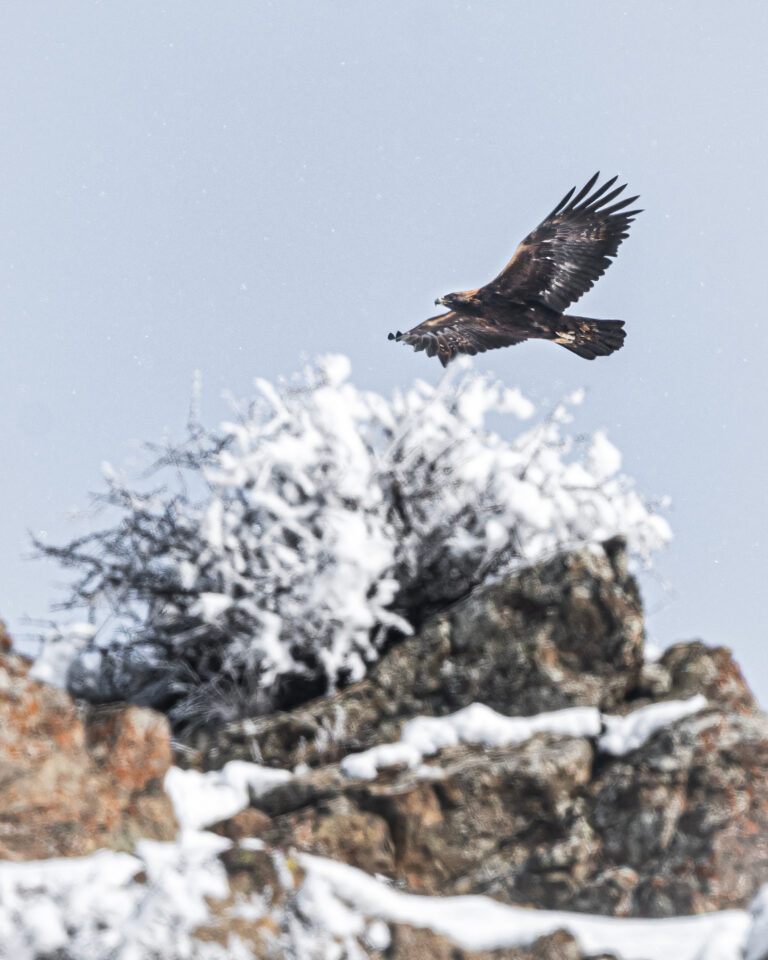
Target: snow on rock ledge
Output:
[
  {"x": 479, "y": 923},
  {"x": 99, "y": 907},
  {"x": 201, "y": 799},
  {"x": 478, "y": 724},
  {"x": 624, "y": 734}
]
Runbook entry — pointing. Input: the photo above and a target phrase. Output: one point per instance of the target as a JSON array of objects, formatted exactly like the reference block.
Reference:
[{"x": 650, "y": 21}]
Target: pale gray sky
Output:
[{"x": 227, "y": 186}]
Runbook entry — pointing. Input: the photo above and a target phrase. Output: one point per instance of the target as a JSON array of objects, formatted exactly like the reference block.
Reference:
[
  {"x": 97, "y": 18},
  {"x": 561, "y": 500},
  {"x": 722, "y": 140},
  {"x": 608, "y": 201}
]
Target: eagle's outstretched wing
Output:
[
  {"x": 451, "y": 333},
  {"x": 563, "y": 257}
]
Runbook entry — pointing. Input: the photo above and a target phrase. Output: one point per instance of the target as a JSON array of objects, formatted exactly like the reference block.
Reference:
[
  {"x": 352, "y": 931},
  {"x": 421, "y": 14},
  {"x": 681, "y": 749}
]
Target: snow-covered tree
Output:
[{"x": 285, "y": 548}]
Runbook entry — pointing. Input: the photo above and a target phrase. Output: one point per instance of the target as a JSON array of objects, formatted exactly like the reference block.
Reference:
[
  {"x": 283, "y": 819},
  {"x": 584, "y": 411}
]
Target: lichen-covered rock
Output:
[
  {"x": 687, "y": 816},
  {"x": 678, "y": 826},
  {"x": 472, "y": 830},
  {"x": 72, "y": 782},
  {"x": 696, "y": 668}
]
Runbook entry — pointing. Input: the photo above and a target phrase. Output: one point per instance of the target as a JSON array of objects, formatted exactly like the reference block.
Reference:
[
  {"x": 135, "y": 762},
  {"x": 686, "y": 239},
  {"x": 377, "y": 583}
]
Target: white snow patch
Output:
[
  {"x": 479, "y": 923},
  {"x": 478, "y": 724},
  {"x": 377, "y": 936},
  {"x": 513, "y": 401},
  {"x": 210, "y": 606},
  {"x": 336, "y": 367},
  {"x": 603, "y": 458},
  {"x": 201, "y": 799},
  {"x": 624, "y": 734},
  {"x": 757, "y": 941},
  {"x": 652, "y": 652},
  {"x": 366, "y": 765},
  {"x": 252, "y": 843},
  {"x": 94, "y": 907},
  {"x": 46, "y": 926}
]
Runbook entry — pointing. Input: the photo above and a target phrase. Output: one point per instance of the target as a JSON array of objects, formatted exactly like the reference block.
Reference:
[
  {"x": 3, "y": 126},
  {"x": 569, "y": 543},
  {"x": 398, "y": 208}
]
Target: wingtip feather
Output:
[
  {"x": 562, "y": 203},
  {"x": 590, "y": 203},
  {"x": 585, "y": 190},
  {"x": 607, "y": 211}
]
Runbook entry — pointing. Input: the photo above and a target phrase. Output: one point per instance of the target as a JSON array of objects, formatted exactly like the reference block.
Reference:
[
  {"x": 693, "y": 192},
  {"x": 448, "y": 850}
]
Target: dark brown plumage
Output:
[{"x": 555, "y": 264}]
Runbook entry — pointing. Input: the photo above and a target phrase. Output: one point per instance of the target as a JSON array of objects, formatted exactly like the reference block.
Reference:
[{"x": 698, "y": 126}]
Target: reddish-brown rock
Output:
[
  {"x": 696, "y": 668},
  {"x": 72, "y": 782}
]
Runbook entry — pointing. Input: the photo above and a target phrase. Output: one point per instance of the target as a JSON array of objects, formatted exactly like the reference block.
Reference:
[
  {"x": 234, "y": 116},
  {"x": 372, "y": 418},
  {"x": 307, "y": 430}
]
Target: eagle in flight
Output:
[{"x": 555, "y": 264}]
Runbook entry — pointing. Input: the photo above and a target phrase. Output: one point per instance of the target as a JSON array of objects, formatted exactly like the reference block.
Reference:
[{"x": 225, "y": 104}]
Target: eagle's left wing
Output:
[
  {"x": 569, "y": 250},
  {"x": 451, "y": 333}
]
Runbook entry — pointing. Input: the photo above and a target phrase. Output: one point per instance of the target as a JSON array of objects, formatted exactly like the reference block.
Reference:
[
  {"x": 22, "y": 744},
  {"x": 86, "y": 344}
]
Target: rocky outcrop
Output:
[
  {"x": 677, "y": 826},
  {"x": 71, "y": 781}
]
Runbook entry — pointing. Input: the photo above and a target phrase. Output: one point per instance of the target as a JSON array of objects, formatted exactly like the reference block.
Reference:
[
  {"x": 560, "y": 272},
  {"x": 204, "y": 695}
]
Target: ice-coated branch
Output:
[{"x": 283, "y": 548}]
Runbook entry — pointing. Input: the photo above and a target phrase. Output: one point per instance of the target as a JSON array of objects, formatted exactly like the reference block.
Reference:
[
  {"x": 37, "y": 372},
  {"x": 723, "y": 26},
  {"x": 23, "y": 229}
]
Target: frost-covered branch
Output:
[{"x": 286, "y": 547}]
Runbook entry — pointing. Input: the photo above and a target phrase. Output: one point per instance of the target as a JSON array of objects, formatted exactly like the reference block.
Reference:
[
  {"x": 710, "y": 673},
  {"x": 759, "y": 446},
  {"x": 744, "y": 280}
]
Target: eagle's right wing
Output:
[
  {"x": 451, "y": 333},
  {"x": 569, "y": 250}
]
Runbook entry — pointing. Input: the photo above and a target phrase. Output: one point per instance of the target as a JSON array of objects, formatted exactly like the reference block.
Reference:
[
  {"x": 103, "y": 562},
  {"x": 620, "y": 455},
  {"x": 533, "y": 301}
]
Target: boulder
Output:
[
  {"x": 72, "y": 781},
  {"x": 685, "y": 817}
]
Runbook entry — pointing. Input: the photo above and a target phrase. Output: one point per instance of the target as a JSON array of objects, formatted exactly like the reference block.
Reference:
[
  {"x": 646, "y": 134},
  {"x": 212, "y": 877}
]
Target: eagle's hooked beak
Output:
[{"x": 440, "y": 302}]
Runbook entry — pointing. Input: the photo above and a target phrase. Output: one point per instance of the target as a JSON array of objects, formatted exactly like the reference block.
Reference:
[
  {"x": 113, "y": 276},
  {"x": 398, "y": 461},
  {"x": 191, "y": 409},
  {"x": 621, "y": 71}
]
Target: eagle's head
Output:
[
  {"x": 465, "y": 302},
  {"x": 447, "y": 301}
]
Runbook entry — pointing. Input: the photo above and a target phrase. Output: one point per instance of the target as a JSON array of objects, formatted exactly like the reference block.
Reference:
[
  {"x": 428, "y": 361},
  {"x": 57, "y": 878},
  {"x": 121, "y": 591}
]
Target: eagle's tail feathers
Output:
[{"x": 591, "y": 338}]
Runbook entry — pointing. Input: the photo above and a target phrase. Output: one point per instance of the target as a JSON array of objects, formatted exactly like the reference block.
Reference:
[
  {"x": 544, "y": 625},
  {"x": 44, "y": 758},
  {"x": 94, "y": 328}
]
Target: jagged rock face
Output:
[
  {"x": 72, "y": 782},
  {"x": 253, "y": 872},
  {"x": 678, "y": 826},
  {"x": 564, "y": 633},
  {"x": 688, "y": 815}
]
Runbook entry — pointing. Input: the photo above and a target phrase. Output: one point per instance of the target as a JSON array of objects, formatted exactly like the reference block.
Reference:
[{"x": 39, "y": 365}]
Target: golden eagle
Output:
[{"x": 555, "y": 264}]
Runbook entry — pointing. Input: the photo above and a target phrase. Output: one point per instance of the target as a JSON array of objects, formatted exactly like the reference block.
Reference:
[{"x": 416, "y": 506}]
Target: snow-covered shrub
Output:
[{"x": 286, "y": 547}]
